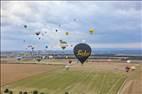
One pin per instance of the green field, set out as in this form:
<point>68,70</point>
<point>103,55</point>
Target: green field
<point>72,81</point>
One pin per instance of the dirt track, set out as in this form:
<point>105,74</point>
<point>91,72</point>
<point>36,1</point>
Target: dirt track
<point>14,72</point>
<point>133,84</point>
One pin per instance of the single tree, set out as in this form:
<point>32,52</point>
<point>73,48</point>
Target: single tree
<point>66,92</point>
<point>35,92</point>
<point>6,90</point>
<point>25,92</point>
<point>10,92</point>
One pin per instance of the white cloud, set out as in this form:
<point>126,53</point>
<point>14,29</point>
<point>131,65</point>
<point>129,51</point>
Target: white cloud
<point>106,17</point>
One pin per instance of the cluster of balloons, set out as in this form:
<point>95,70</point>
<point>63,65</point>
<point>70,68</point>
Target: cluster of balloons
<point>82,51</point>
<point>63,45</point>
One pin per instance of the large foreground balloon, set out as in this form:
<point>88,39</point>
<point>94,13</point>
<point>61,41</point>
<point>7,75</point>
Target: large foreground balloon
<point>82,51</point>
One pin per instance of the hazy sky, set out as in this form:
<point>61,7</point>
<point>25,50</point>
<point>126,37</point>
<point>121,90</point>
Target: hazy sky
<point>117,24</point>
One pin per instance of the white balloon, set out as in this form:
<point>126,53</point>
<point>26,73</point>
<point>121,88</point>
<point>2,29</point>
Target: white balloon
<point>128,61</point>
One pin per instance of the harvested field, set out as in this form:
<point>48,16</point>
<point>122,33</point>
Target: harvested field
<point>79,79</point>
<point>14,72</point>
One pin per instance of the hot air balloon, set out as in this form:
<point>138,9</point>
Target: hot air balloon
<point>127,68</point>
<point>74,19</point>
<point>67,33</point>
<point>32,48</point>
<point>42,34</point>
<point>46,46</point>
<point>66,57</point>
<point>71,45</point>
<point>59,25</point>
<point>82,51</point>
<point>56,30</point>
<point>67,68</point>
<point>39,58</point>
<point>25,26</point>
<point>70,61</point>
<point>37,33</point>
<point>29,46</point>
<point>18,58</point>
<point>91,30</point>
<point>63,44</point>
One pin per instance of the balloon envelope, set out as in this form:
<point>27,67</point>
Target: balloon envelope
<point>67,33</point>
<point>63,47</point>
<point>56,30</point>
<point>37,33</point>
<point>46,46</point>
<point>63,44</point>
<point>39,58</point>
<point>91,30</point>
<point>25,26</point>
<point>82,51</point>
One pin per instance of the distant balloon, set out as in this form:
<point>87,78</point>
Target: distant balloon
<point>66,57</point>
<point>18,58</point>
<point>37,33</point>
<point>25,26</point>
<point>74,19</point>
<point>46,46</point>
<point>56,30</point>
<point>63,44</point>
<point>91,30</point>
<point>32,48</point>
<point>50,57</point>
<point>63,47</point>
<point>29,46</point>
<point>42,34</point>
<point>70,61</point>
<point>67,33</point>
<point>38,59</point>
<point>82,51</point>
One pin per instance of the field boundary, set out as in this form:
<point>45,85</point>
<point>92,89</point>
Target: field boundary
<point>35,74</point>
<point>122,87</point>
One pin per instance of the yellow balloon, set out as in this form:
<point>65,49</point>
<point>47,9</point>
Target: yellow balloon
<point>67,33</point>
<point>91,30</point>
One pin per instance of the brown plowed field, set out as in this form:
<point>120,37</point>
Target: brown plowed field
<point>14,72</point>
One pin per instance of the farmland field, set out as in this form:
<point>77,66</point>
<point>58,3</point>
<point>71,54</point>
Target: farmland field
<point>90,78</point>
